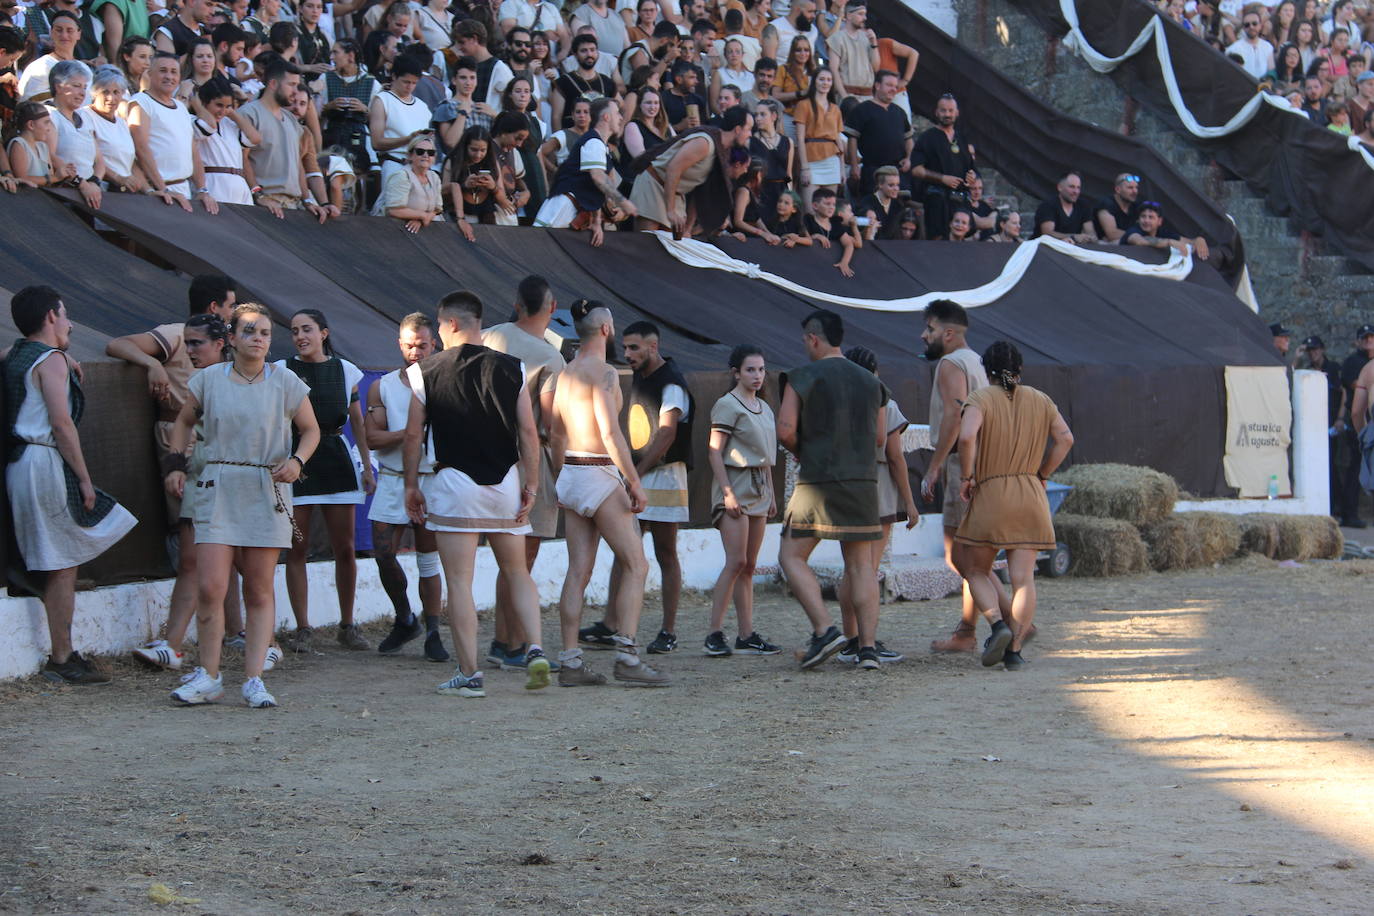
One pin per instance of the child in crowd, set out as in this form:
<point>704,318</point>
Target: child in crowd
<point>828,224</point>
<point>1339,119</point>
<point>787,221</point>
<point>32,156</point>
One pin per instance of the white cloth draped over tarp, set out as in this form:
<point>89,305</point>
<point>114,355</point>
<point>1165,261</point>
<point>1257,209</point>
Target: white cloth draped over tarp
<point>700,254</point>
<point>1155,31</point>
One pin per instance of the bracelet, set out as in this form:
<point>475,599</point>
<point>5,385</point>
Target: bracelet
<point>965,478</point>
<point>297,459</point>
<point>174,462</point>
<point>528,492</point>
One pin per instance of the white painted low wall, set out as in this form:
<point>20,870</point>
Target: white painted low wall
<point>111,621</point>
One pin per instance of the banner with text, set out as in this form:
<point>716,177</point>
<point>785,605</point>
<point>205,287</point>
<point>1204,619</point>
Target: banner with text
<point>1259,428</point>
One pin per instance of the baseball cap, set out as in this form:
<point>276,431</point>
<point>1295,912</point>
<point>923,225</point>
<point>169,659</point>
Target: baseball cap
<point>1278,330</point>
<point>1314,343</point>
<point>1365,330</point>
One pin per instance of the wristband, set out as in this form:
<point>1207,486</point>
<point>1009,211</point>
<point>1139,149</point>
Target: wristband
<point>174,462</point>
<point>297,459</point>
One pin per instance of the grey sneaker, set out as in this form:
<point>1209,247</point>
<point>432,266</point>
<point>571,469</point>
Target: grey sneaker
<point>1013,660</point>
<point>238,642</point>
<point>640,675</point>
<point>299,640</point>
<point>581,676</point>
<point>754,644</point>
<point>351,638</point>
<point>461,685</point>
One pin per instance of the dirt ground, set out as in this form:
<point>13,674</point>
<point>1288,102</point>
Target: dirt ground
<point>1177,744</point>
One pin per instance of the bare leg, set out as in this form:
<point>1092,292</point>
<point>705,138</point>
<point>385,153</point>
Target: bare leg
<point>297,585</point>
<point>847,611</point>
<point>734,537</point>
<point>233,607</point>
<point>384,540</point>
<point>431,587</point>
<point>1022,566</point>
<point>182,606</point>
<point>792,557</point>
<point>259,565</point>
<point>582,541</point>
<point>975,565</point>
<point>511,559</point>
<point>339,521</point>
<point>213,564</point>
<point>508,629</point>
<point>59,601</point>
<point>664,536</point>
<point>458,553</point>
<point>617,525</point>
<point>612,595</point>
<point>744,581</point>
<point>863,587</point>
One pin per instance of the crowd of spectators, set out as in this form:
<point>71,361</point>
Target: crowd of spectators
<point>1314,53</point>
<point>465,112</point>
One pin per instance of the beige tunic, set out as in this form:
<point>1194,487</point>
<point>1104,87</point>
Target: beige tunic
<point>405,189</point>
<point>749,454</point>
<point>889,508</point>
<point>1009,509</point>
<point>647,193</point>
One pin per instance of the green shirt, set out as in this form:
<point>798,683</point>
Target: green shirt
<point>837,422</point>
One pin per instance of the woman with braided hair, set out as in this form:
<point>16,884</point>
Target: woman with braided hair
<point>1005,466</point>
<point>243,501</point>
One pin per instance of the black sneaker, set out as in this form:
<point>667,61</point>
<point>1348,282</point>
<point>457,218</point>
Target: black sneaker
<point>821,646</point>
<point>715,645</point>
<point>995,646</point>
<point>401,633</point>
<point>849,652</point>
<point>496,653</point>
<point>663,643</point>
<point>75,671</point>
<point>887,656</point>
<point>597,636</point>
<point>1013,660</point>
<point>434,648</point>
<point>755,645</point>
<point>868,659</point>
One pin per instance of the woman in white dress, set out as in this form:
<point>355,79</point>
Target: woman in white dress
<point>331,478</point>
<point>242,505</point>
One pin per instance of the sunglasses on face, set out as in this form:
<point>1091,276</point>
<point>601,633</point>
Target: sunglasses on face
<point>520,44</point>
<point>423,151</point>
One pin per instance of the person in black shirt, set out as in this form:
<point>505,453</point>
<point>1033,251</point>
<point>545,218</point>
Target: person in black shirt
<point>583,83</point>
<point>943,159</point>
<point>828,228</point>
<point>1066,217</point>
<point>681,102</point>
<point>879,133</point>
<point>883,207</point>
<point>1350,468</point>
<point>1115,214</point>
<point>1314,348</point>
<point>984,214</point>
<point>1149,231</point>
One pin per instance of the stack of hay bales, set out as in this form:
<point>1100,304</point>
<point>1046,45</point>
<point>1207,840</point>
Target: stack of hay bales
<point>1120,519</point>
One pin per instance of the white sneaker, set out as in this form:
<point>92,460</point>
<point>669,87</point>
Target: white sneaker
<point>273,656</point>
<point>159,654</point>
<point>199,687</point>
<point>255,694</point>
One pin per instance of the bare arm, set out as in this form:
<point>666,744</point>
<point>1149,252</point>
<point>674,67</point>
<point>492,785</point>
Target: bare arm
<point>410,456</point>
<point>175,481</point>
<point>692,152</point>
<point>1061,441</point>
<point>355,421</point>
<point>144,350</point>
<point>953,386</point>
<point>52,382</point>
<point>114,31</point>
<point>289,471</point>
<point>968,448</point>
<point>529,455</point>
<point>374,422</point>
<point>606,407</point>
<point>1359,406</point>
<point>608,186</point>
<point>896,466</point>
<point>789,412</point>
<point>1110,230</point>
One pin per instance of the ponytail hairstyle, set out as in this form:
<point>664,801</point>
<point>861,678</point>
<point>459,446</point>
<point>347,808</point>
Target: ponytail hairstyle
<point>1002,362</point>
<point>741,353</point>
<point>215,329</point>
<point>317,316</point>
<point>863,357</point>
<point>581,310</point>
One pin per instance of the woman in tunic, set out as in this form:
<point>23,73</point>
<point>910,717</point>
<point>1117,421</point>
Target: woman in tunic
<point>895,504</point>
<point>518,97</point>
<point>1004,466</point>
<point>241,506</point>
<point>222,135</point>
<point>108,92</point>
<point>330,479</point>
<point>742,452</point>
<point>819,122</point>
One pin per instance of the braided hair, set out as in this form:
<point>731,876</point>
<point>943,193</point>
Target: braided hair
<point>1002,362</point>
<point>863,357</point>
<point>214,327</point>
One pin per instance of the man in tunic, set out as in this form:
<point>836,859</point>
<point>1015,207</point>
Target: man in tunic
<point>524,339</point>
<point>388,410</point>
<point>60,519</point>
<point>599,487</point>
<point>831,419</point>
<point>584,183</point>
<point>475,405</point>
<point>958,373</point>
<point>689,183</point>
<point>162,353</point>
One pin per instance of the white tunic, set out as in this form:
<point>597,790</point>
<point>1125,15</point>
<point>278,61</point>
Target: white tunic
<point>116,142</point>
<point>388,503</point>
<point>76,145</point>
<point>169,138</point>
<point>402,120</point>
<point>222,147</point>
<point>49,538</point>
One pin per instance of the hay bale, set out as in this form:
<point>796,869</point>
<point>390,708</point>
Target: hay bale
<point>1141,496</point>
<point>1259,533</point>
<point>1101,546</point>
<point>1218,536</point>
<point>1301,537</point>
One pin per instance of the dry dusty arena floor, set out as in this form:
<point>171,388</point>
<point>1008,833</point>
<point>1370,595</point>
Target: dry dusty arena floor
<point>1199,742</point>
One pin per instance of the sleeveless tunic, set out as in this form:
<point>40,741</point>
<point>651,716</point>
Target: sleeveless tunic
<point>330,477</point>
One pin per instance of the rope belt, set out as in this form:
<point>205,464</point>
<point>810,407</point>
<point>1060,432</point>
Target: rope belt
<point>1016,474</point>
<point>276,493</point>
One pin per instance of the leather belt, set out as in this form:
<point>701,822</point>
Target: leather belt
<point>222,170</point>
<point>588,460</point>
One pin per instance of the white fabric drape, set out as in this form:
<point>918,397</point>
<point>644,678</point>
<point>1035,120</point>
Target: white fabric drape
<point>1155,31</point>
<point>699,254</point>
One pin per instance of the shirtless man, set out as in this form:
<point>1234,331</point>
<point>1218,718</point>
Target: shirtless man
<point>388,407</point>
<point>601,493</point>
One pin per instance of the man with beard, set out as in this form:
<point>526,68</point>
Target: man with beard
<point>943,159</point>
<point>1066,217</point>
<point>958,373</point>
<point>1115,214</point>
<point>277,159</point>
<point>854,53</point>
<point>659,52</point>
<point>519,49</point>
<point>161,128</point>
<point>584,183</point>
<point>802,22</point>
<point>682,104</point>
<point>586,82</point>
<point>689,182</point>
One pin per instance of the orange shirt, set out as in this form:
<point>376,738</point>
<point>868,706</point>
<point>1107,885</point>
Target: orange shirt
<point>820,127</point>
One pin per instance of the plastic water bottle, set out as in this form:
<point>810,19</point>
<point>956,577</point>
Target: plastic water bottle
<point>1273,486</point>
